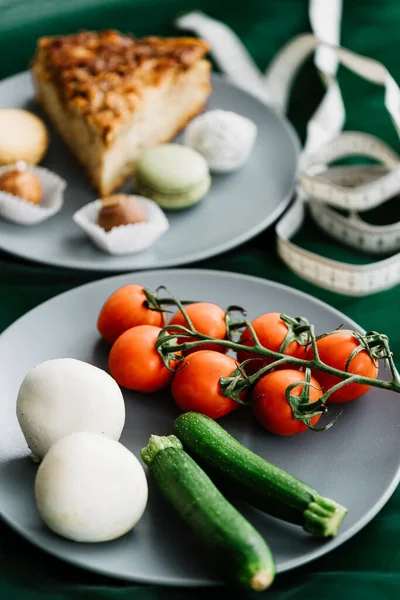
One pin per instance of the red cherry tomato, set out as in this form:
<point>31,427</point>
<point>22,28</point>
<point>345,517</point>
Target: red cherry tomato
<point>271,331</point>
<point>334,350</point>
<point>195,387</point>
<point>271,407</point>
<point>124,309</point>
<point>135,363</point>
<point>207,318</point>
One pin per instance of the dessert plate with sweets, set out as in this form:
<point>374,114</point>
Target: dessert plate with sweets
<point>159,162</point>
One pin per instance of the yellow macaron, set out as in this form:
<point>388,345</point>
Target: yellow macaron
<point>23,136</point>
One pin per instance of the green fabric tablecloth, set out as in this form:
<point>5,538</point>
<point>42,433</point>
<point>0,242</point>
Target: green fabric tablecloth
<point>367,566</point>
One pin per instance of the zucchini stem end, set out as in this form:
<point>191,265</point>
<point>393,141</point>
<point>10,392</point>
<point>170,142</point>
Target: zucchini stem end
<point>323,517</point>
<point>156,444</point>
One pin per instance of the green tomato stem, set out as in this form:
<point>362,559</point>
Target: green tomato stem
<point>260,351</point>
<point>340,384</point>
<point>376,344</point>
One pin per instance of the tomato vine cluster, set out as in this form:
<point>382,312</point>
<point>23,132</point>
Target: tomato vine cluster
<point>280,368</point>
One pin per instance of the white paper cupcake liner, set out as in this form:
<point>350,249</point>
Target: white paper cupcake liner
<point>125,239</point>
<point>16,209</point>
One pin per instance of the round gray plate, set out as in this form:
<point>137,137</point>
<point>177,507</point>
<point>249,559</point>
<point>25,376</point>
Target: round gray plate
<point>356,462</point>
<point>238,206</point>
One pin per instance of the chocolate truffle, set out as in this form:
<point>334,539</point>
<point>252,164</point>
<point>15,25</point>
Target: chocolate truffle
<point>120,209</point>
<point>22,183</point>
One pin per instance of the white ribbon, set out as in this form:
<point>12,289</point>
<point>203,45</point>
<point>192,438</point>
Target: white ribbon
<point>320,184</point>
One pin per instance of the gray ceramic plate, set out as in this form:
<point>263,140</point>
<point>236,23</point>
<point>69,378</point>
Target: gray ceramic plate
<point>238,206</point>
<point>356,462</point>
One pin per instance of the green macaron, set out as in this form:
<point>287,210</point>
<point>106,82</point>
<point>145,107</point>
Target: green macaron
<point>172,175</point>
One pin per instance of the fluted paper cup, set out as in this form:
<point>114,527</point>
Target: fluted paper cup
<point>18,210</point>
<point>125,239</point>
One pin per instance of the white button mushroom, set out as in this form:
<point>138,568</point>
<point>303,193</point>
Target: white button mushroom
<point>223,137</point>
<point>65,395</point>
<point>90,488</point>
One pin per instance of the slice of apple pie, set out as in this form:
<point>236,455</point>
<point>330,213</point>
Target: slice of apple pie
<point>109,95</point>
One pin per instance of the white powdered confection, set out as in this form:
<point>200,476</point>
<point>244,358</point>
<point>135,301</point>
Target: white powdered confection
<point>16,209</point>
<point>125,239</point>
<point>223,137</point>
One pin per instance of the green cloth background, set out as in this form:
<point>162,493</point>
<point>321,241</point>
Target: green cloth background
<point>367,566</point>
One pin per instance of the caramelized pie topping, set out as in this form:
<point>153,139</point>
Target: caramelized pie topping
<point>102,75</point>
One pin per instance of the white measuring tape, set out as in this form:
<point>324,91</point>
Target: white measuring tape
<point>353,188</point>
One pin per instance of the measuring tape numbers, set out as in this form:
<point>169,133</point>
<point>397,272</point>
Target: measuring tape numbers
<point>322,187</point>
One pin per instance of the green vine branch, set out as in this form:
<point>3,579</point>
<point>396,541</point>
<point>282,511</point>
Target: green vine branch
<point>176,339</point>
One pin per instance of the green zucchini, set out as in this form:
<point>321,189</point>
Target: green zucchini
<point>236,548</point>
<point>256,480</point>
